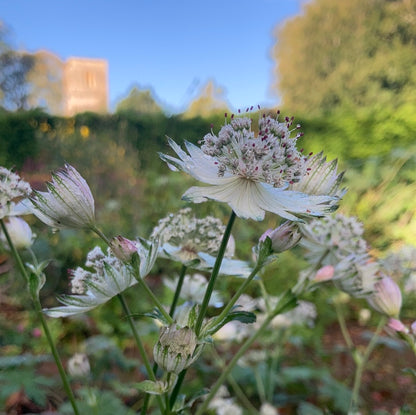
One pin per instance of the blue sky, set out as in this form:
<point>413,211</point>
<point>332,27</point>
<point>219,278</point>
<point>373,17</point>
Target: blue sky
<point>171,47</point>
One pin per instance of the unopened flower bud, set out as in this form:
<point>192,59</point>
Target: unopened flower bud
<point>387,297</point>
<point>79,365</point>
<point>176,348</point>
<point>413,327</point>
<point>284,237</point>
<point>68,203</point>
<point>123,248</point>
<point>19,232</point>
<point>324,274</point>
<point>397,326</point>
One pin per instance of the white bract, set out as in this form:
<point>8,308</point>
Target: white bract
<point>68,203</point>
<point>12,188</point>
<point>19,231</point>
<point>252,173</point>
<point>110,276</point>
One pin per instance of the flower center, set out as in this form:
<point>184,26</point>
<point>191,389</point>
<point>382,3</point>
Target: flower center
<point>270,157</point>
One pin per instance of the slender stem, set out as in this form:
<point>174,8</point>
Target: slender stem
<point>226,371</point>
<point>236,296</point>
<point>236,387</point>
<point>343,327</point>
<point>214,274</point>
<point>101,235</point>
<point>207,297</point>
<point>38,309</point>
<point>361,365</point>
<point>155,300</point>
<point>140,345</point>
<point>178,290</point>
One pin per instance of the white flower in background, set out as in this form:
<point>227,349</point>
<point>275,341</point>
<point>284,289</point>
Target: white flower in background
<point>12,188</point>
<point>268,409</point>
<point>193,289</point>
<point>223,404</point>
<point>252,173</point>
<point>387,297</point>
<point>195,242</point>
<point>68,203</point>
<point>304,314</point>
<point>109,277</point>
<point>19,231</point>
<point>79,365</point>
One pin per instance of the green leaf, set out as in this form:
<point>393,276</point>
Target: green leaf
<point>153,388</point>
<point>37,278</point>
<point>246,317</point>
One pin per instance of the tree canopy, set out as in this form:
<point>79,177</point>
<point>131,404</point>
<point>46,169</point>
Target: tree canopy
<point>139,101</point>
<point>347,53</point>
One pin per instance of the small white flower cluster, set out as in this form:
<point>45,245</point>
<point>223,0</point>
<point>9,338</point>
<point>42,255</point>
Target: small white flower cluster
<point>12,187</point>
<point>193,235</point>
<point>270,157</point>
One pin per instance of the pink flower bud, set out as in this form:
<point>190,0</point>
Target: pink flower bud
<point>284,237</point>
<point>324,274</point>
<point>397,326</point>
<point>123,248</point>
<point>36,332</point>
<point>387,297</point>
<point>413,328</point>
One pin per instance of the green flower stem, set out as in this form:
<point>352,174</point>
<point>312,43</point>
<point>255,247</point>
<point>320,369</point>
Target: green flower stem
<point>361,362</point>
<point>100,234</point>
<point>140,346</point>
<point>237,295</point>
<point>155,300</point>
<point>207,297</point>
<point>246,345</point>
<point>343,327</point>
<point>236,387</point>
<point>38,309</point>
<point>178,290</point>
<point>214,274</point>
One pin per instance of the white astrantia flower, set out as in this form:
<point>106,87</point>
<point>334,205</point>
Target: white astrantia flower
<point>12,188</point>
<point>223,404</point>
<point>193,289</point>
<point>195,243</point>
<point>110,276</point>
<point>252,173</point>
<point>68,203</point>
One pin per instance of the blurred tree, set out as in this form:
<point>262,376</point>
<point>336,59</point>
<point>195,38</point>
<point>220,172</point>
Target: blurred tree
<point>210,101</point>
<point>347,53</point>
<point>139,101</point>
<point>14,67</point>
<point>45,79</point>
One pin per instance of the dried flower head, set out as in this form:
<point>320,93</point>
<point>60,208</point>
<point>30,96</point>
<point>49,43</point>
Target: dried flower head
<point>12,188</point>
<point>68,202</point>
<point>251,172</point>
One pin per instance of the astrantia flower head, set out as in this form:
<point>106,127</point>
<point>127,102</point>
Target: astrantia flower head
<point>387,297</point>
<point>68,203</point>
<point>337,236</point>
<point>12,188</point>
<point>110,276</point>
<point>19,231</point>
<point>338,241</point>
<point>252,173</point>
<point>195,242</point>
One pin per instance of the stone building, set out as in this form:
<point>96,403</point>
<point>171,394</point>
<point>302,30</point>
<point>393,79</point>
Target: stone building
<point>84,86</point>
